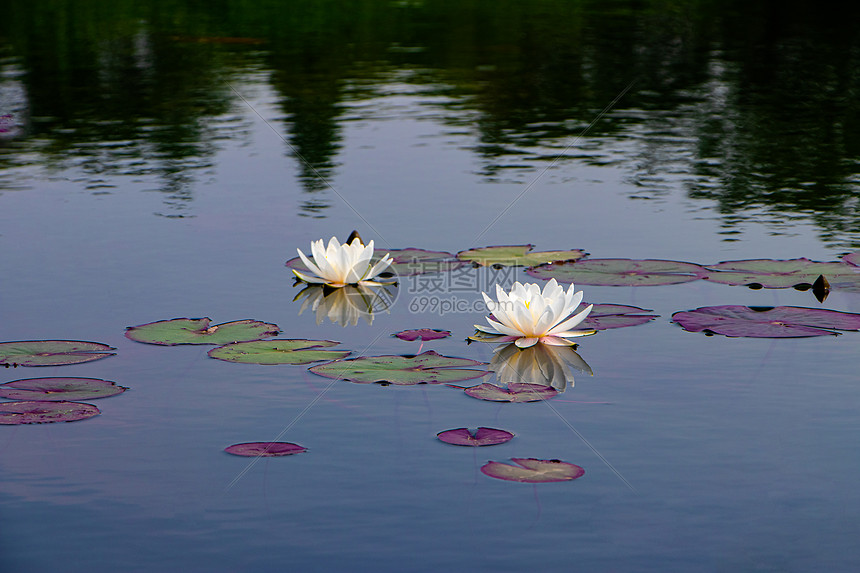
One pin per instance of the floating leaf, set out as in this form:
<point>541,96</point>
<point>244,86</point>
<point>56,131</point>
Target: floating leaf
<point>426,368</point>
<point>606,316</point>
<point>516,255</point>
<point>766,322</point>
<point>265,449</point>
<point>482,437</point>
<point>405,262</point>
<point>58,389</point>
<point>771,273</point>
<point>422,333</point>
<point>197,331</point>
<point>515,392</point>
<point>51,352</point>
<point>44,412</point>
<point>852,259</point>
<point>532,470</point>
<point>278,351</point>
<point>619,272</point>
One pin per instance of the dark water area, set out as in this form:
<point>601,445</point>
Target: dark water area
<point>164,159</point>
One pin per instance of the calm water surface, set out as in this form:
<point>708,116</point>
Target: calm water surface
<point>164,159</point>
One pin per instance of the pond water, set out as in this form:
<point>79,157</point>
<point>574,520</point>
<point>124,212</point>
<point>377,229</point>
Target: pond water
<point>163,160</point>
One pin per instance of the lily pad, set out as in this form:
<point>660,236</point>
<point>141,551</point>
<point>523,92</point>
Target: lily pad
<point>278,351</point>
<point>516,255</point>
<point>51,352</point>
<point>265,449</point>
<point>515,392</point>
<point>532,470</point>
<point>852,259</point>
<point>198,331</point>
<point>405,262</point>
<point>619,272</point>
<point>426,368</point>
<point>59,389</point>
<point>606,316</point>
<point>481,437</point>
<point>45,412</point>
<point>771,273</point>
<point>766,322</point>
<point>423,334</point>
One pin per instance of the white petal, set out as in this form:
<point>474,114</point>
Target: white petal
<point>526,342</point>
<point>555,341</point>
<point>503,328</point>
<point>571,322</point>
<point>311,266</point>
<point>307,278</point>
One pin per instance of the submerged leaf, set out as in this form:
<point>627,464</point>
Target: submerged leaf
<point>198,331</point>
<point>766,322</point>
<point>426,368</point>
<point>516,255</point>
<point>51,352</point>
<point>481,437</point>
<point>278,351</point>
<point>771,273</point>
<point>265,449</point>
<point>59,389</point>
<point>515,392</point>
<point>619,272</point>
<point>422,333</point>
<point>45,412</point>
<point>532,470</point>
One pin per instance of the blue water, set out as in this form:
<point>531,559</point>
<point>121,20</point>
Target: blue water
<point>701,453</point>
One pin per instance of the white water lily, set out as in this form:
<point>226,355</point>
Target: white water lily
<point>527,315</point>
<point>339,264</point>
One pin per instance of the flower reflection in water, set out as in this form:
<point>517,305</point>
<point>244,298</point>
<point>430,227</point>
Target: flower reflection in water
<point>538,364</point>
<point>346,305</point>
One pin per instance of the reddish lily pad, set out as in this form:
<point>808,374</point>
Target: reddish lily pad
<point>619,272</point>
<point>515,392</point>
<point>278,351</point>
<point>426,368</point>
<point>481,437</point>
<point>198,331</point>
<point>532,470</point>
<point>59,389</point>
<point>265,449</point>
<point>45,412</point>
<point>405,262</point>
<point>771,273</point>
<point>516,255</point>
<point>51,352</point>
<point>422,334</point>
<point>852,259</point>
<point>766,322</point>
<point>606,316</point>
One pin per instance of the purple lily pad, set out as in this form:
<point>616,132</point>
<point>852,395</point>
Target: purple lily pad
<point>771,273</point>
<point>198,331</point>
<point>426,368</point>
<point>606,316</point>
<point>532,470</point>
<point>278,351</point>
<point>51,352</point>
<point>766,322</point>
<point>59,389</point>
<point>481,437</point>
<point>619,272</point>
<point>265,449</point>
<point>45,412</point>
<point>516,255</point>
<point>852,259</point>
<point>405,262</point>
<point>515,392</point>
<point>422,333</point>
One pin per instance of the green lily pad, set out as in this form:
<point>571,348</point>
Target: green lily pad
<point>405,262</point>
<point>531,470</point>
<point>426,368</point>
<point>619,272</point>
<point>197,331</point>
<point>59,389</point>
<point>771,273</point>
<point>51,352</point>
<point>516,255</point>
<point>278,351</point>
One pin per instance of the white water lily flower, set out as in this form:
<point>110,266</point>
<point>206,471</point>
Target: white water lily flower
<point>528,315</point>
<point>339,265</point>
